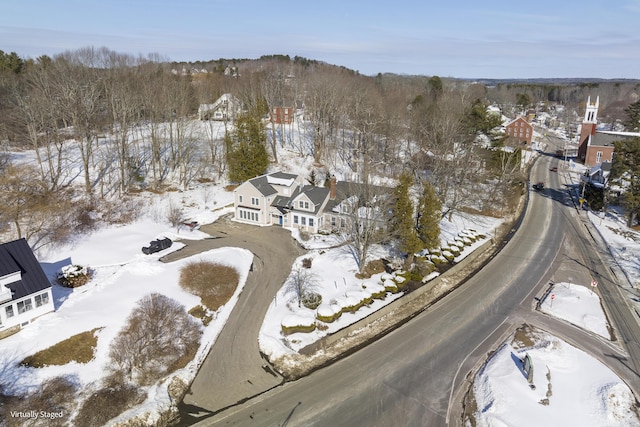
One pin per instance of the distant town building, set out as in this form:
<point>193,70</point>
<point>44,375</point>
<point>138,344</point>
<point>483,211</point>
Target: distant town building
<point>520,131</point>
<point>227,107</point>
<point>282,115</point>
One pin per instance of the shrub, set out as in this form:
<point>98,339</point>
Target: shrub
<point>199,312</point>
<point>73,276</point>
<point>328,312</point>
<point>175,215</point>
<point>300,283</point>
<point>292,324</point>
<point>107,403</point>
<point>55,395</point>
<point>372,267</point>
<point>311,300</point>
<point>77,348</point>
<point>213,283</point>
<point>158,337</point>
<point>390,285</point>
<point>306,262</point>
<point>305,236</point>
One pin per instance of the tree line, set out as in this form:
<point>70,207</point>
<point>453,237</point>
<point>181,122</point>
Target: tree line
<point>130,123</point>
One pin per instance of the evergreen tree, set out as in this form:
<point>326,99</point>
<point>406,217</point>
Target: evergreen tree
<point>429,214</point>
<point>246,152</point>
<point>10,62</point>
<point>479,120</point>
<point>402,222</point>
<point>632,124</point>
<point>626,171</point>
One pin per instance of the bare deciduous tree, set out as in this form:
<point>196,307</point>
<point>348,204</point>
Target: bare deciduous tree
<point>158,332</point>
<point>366,220</point>
<point>301,282</point>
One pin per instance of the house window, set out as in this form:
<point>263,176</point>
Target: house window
<point>301,204</point>
<point>342,223</point>
<point>295,219</point>
<point>240,198</point>
<point>333,221</point>
<point>599,157</point>
<point>24,306</point>
<point>310,222</point>
<point>9,311</point>
<point>306,205</point>
<point>303,220</point>
<point>255,201</point>
<point>41,299</point>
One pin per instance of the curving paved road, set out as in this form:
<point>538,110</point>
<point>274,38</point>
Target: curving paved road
<point>234,370</point>
<point>415,375</point>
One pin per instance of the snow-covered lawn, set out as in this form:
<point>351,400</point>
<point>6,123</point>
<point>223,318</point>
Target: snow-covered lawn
<point>334,270</point>
<point>579,305</point>
<point>122,276</point>
<point>580,390</point>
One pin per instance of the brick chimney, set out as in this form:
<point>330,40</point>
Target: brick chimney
<point>332,188</point>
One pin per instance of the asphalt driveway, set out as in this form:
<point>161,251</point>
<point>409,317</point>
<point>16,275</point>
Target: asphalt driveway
<point>234,368</point>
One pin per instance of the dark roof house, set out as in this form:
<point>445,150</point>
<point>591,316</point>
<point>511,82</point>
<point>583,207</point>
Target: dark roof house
<point>25,290</point>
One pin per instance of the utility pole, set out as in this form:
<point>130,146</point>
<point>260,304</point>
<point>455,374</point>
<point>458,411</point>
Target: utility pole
<point>584,184</point>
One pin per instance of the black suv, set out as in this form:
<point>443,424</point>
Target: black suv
<point>157,246</point>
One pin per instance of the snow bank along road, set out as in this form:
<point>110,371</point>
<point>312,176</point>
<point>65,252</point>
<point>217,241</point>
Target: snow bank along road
<point>407,377</point>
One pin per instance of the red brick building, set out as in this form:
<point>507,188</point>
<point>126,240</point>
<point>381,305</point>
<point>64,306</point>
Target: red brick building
<point>595,147</point>
<point>282,115</point>
<point>519,130</point>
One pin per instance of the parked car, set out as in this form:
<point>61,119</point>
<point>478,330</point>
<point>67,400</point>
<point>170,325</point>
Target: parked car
<point>538,186</point>
<point>157,246</point>
<point>554,169</point>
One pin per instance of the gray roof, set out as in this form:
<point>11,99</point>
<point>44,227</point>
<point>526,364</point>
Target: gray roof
<point>606,139</point>
<point>263,185</point>
<point>345,190</point>
<point>18,256</point>
<point>316,194</point>
<point>283,175</point>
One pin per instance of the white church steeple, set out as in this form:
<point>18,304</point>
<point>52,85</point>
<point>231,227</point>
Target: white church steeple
<point>591,112</point>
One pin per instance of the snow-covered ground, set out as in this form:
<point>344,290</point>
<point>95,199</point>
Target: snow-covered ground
<point>580,390</point>
<point>122,276</point>
<point>583,390</point>
<point>579,305</point>
<point>334,270</point>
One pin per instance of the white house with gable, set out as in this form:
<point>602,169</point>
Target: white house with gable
<point>285,199</point>
<point>25,290</point>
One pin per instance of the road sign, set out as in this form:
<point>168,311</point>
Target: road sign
<point>553,296</point>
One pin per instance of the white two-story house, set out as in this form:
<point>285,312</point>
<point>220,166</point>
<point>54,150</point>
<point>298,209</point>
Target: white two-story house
<point>284,199</point>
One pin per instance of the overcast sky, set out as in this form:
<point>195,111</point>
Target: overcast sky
<point>451,38</point>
